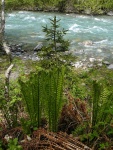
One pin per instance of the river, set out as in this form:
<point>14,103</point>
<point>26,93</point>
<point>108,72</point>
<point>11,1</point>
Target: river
<point>26,27</point>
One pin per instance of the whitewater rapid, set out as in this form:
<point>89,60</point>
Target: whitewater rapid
<point>26,28</point>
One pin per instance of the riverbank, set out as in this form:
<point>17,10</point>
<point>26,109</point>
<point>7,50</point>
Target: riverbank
<point>65,6</point>
<point>78,93</point>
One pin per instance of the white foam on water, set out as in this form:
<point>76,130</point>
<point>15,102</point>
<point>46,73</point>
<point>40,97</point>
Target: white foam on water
<point>41,36</point>
<point>33,36</point>
<point>73,27</point>
<point>43,20</point>
<point>77,30</point>
<point>81,16</point>
<point>11,15</point>
<point>30,18</point>
<point>12,26</point>
<point>8,26</point>
<point>23,12</point>
<point>97,19</point>
<point>88,30</point>
<point>102,41</point>
<point>99,28</point>
<point>99,50</point>
<point>105,20</point>
<point>88,46</point>
<point>102,20</point>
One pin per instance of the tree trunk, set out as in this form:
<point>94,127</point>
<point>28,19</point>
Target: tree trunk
<point>2,23</point>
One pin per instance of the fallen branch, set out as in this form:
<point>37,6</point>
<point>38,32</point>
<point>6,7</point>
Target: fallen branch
<point>8,71</point>
<point>7,50</point>
<point>7,75</point>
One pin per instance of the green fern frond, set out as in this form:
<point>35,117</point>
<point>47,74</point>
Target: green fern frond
<point>102,103</point>
<point>42,94</point>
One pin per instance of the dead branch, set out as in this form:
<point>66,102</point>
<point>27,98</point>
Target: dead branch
<point>7,75</point>
<point>8,71</point>
<point>6,48</point>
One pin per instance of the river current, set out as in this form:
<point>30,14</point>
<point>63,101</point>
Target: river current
<point>26,27</point>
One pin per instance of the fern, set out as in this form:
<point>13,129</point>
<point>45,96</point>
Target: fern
<point>102,105</point>
<point>42,94</point>
<point>31,96</point>
<point>54,101</point>
<point>95,102</point>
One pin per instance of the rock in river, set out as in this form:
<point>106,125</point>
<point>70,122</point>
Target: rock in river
<point>38,47</point>
<point>110,66</point>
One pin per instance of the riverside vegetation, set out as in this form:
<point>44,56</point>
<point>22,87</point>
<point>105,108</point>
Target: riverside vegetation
<point>77,6</point>
<point>57,97</point>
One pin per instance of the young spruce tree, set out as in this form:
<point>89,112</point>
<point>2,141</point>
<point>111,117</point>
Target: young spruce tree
<point>53,53</point>
<point>55,36</point>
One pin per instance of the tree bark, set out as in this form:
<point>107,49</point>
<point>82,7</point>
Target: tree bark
<point>2,23</point>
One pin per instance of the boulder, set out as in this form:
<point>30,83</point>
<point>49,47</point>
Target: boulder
<point>88,42</point>
<point>106,63</point>
<point>18,53</point>
<point>110,66</point>
<point>92,59</point>
<point>87,11</point>
<point>110,13</point>
<point>38,47</point>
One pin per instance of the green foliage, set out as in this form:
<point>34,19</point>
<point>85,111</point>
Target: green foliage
<point>101,117</point>
<point>102,105</point>
<point>1,143</point>
<point>10,108</point>
<point>54,53</point>
<point>55,36</point>
<point>16,4</point>
<point>32,97</point>
<point>54,100</point>
<point>94,6</point>
<point>42,95</point>
<point>13,145</point>
<point>41,4</point>
<point>27,126</point>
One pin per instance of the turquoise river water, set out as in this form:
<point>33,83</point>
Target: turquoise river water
<point>26,27</point>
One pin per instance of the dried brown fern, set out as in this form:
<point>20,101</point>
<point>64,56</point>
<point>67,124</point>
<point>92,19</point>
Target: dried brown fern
<point>45,140</point>
<point>73,113</point>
